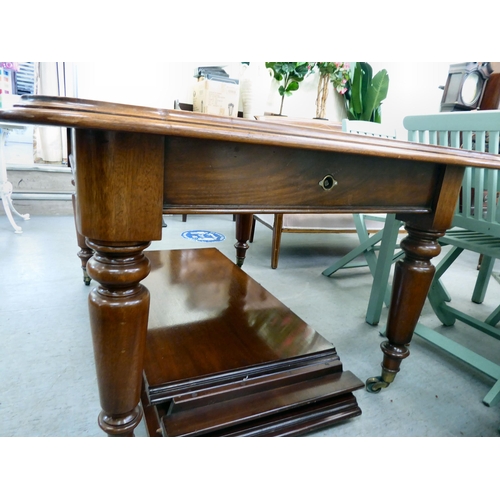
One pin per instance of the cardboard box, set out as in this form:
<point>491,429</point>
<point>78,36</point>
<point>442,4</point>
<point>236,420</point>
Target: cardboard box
<point>216,96</point>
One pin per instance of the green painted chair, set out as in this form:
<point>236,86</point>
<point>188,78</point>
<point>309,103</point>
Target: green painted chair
<point>376,249</point>
<point>476,228</point>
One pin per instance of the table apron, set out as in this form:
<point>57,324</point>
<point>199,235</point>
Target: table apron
<point>216,176</point>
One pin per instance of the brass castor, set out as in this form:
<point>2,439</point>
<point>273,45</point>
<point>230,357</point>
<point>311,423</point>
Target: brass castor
<point>376,384</point>
<point>86,278</point>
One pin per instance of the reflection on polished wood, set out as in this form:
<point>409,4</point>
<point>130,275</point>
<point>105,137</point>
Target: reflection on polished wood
<point>131,163</point>
<point>224,356</point>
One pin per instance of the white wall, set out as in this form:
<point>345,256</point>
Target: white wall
<point>413,90</point>
<point>157,85</point>
<point>413,87</point>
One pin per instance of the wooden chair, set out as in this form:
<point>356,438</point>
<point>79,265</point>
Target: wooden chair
<point>361,224</point>
<point>306,223</point>
<point>186,107</point>
<point>476,229</point>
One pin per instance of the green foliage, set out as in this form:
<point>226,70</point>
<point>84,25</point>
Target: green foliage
<point>365,93</point>
<point>291,74</point>
<point>326,67</point>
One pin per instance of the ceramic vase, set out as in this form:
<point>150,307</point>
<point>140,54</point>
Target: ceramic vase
<point>255,83</point>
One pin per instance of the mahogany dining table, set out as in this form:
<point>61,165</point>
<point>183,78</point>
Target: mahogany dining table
<point>132,164</point>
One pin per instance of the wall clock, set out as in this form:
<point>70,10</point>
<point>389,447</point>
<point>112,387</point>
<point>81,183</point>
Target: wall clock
<point>465,86</point>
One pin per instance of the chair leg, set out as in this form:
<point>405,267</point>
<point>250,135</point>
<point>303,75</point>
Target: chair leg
<point>494,317</point>
<point>360,250</point>
<point>85,252</point>
<point>380,292</point>
<point>468,356</point>
<point>184,217</point>
<point>483,279</point>
<point>277,230</point>
<point>363,235</point>
<point>493,396</point>
<point>438,295</point>
<point>437,299</point>
<point>252,231</point>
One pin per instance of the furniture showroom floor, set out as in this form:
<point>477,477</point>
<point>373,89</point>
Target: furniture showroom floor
<point>47,377</point>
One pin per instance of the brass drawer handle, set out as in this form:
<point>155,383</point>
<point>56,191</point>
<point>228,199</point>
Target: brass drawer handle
<point>328,182</point>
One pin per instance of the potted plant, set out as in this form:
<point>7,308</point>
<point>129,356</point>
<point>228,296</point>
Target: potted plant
<point>336,73</point>
<point>365,93</point>
<point>290,74</point>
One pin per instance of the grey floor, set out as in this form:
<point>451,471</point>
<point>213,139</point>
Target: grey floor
<point>47,377</point>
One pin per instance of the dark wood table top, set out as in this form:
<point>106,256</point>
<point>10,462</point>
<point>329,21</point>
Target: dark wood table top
<point>81,113</point>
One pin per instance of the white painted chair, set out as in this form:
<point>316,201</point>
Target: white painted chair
<point>5,184</point>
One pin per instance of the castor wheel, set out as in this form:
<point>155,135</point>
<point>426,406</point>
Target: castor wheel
<point>86,278</point>
<point>376,384</point>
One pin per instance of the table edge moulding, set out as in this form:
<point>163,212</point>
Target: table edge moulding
<point>132,163</point>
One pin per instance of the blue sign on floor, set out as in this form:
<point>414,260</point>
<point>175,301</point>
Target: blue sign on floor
<point>203,236</point>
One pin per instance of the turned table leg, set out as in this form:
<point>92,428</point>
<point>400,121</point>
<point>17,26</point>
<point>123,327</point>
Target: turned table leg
<point>119,308</point>
<point>243,231</point>
<point>412,279</point>
<point>85,252</point>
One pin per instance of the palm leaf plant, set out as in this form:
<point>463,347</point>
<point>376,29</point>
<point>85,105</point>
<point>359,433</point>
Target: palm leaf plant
<point>365,93</point>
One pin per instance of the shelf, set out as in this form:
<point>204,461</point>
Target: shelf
<point>225,357</point>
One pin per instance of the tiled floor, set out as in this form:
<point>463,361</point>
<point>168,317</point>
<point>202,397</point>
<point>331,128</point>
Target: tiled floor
<point>47,377</point>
